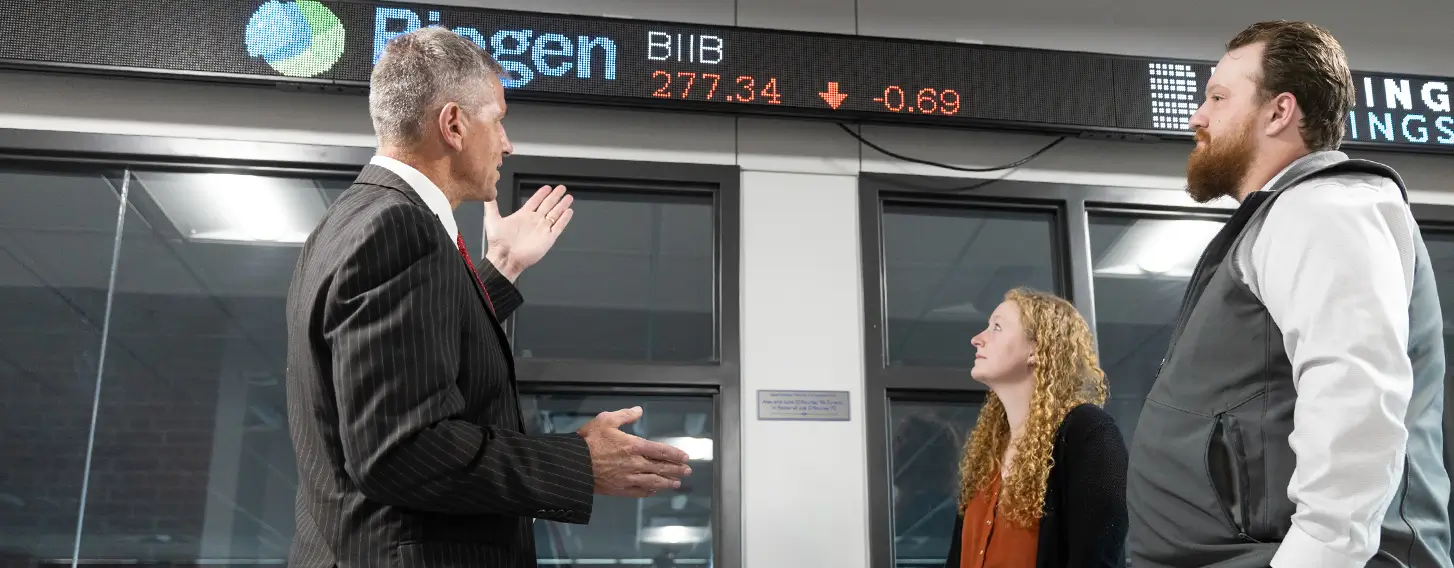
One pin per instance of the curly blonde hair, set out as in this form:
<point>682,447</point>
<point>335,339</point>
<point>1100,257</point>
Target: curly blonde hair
<point>1067,374</point>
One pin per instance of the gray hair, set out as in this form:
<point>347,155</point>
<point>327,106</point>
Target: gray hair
<point>421,71</point>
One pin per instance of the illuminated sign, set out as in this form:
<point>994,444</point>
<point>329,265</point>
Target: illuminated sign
<point>298,39</point>
<point>1175,94</point>
<point>523,52</point>
<point>1391,112</point>
<point>1401,110</point>
<point>333,45</point>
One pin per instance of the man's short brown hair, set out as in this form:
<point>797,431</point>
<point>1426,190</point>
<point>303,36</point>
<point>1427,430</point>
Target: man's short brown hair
<point>1303,59</point>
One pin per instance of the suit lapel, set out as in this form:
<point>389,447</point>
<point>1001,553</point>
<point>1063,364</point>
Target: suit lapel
<point>381,176</point>
<point>477,285</point>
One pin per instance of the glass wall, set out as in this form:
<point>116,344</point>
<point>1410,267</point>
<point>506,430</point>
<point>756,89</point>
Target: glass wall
<point>946,267</point>
<point>57,241</point>
<point>144,369</point>
<point>667,529</point>
<point>928,439</point>
<point>633,281</point>
<point>144,421</point>
<point>1141,264</point>
<point>630,280</point>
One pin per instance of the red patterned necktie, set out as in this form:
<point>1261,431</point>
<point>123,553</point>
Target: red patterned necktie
<point>459,240</point>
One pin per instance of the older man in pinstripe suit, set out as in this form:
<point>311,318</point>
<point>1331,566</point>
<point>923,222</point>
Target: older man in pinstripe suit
<point>402,400</point>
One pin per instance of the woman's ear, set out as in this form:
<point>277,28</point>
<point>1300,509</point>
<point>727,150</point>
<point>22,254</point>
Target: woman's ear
<point>1032,360</point>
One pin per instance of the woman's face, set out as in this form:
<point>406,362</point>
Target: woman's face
<point>1003,353</point>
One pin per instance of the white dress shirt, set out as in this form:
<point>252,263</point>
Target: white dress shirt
<point>1333,261</point>
<point>432,195</point>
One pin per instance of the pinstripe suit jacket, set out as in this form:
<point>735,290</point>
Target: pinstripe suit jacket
<point>402,401</point>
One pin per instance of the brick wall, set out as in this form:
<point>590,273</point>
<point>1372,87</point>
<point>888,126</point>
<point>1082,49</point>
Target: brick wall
<point>153,445</point>
<point>47,377</point>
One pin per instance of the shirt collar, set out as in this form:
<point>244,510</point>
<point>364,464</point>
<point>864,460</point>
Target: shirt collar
<point>1315,155</point>
<point>427,190</point>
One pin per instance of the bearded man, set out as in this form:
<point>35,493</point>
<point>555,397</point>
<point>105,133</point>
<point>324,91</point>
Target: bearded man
<point>1297,419</point>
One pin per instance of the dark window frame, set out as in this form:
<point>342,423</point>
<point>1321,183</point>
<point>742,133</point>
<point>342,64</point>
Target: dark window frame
<point>929,378</point>
<point>1075,204</point>
<point>721,380</point>
<point>719,181</point>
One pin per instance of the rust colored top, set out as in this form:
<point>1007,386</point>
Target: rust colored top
<point>991,540</point>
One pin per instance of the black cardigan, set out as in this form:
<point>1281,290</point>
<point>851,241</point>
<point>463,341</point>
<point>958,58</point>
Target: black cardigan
<point>1084,525</point>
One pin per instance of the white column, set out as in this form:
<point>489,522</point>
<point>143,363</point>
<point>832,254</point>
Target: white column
<point>804,484</point>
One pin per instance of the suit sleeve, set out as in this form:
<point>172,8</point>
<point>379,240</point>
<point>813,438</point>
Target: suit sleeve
<point>1095,501</point>
<point>394,335</point>
<point>505,296</point>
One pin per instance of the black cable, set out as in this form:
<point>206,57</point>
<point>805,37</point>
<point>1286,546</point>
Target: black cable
<point>1403,500</point>
<point>970,187</point>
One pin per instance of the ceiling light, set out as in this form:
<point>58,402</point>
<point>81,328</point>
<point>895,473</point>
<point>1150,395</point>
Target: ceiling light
<point>675,534</point>
<point>697,449</point>
<point>237,208</point>
<point>1162,247</point>
<point>956,312</point>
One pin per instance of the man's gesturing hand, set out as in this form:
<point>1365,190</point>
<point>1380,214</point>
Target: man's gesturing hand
<point>519,241</point>
<point>628,466</point>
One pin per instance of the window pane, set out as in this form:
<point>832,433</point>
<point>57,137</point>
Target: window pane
<point>946,269</point>
<point>670,528</point>
<point>1142,267</point>
<point>192,457</point>
<point>57,235</point>
<point>928,438</point>
<point>632,279</point>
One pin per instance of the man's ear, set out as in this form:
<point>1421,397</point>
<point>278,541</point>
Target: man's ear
<point>452,125</point>
<point>1284,114</point>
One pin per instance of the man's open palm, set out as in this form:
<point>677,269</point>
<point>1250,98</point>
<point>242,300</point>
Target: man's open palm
<point>524,237</point>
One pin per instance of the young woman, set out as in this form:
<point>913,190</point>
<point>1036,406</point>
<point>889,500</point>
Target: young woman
<point>1043,475</point>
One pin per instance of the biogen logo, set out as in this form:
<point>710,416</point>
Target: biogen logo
<point>523,53</point>
<point>302,38</point>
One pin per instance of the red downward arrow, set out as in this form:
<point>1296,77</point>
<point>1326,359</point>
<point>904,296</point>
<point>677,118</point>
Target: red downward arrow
<point>832,96</point>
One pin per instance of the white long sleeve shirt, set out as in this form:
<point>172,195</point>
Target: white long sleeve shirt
<point>1333,262</point>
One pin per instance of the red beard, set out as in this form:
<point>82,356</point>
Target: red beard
<point>1218,167</point>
